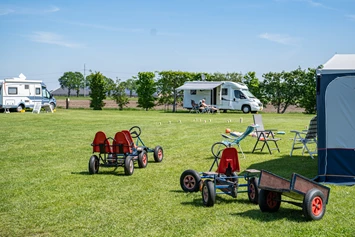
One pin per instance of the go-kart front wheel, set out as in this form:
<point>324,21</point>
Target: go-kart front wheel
<point>128,165</point>
<point>190,181</point>
<point>142,159</point>
<point>158,154</point>
<point>208,193</point>
<point>94,164</point>
<point>253,191</point>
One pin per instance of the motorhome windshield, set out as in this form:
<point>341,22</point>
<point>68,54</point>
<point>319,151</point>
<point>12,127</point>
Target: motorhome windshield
<point>248,93</point>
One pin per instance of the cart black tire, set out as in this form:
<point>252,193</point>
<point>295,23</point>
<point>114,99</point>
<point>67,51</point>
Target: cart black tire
<point>142,159</point>
<point>269,201</point>
<point>208,193</point>
<point>128,165</point>
<point>314,204</point>
<point>94,164</point>
<point>135,131</point>
<point>158,154</point>
<point>190,181</point>
<point>253,190</point>
<point>217,149</point>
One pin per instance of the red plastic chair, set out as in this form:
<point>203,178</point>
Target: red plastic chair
<point>229,161</point>
<point>101,144</point>
<point>121,144</point>
<point>129,138</point>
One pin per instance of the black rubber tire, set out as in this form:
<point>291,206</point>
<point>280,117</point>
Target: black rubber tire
<point>314,205</point>
<point>52,105</point>
<point>19,108</point>
<point>94,164</point>
<point>253,190</point>
<point>190,181</point>
<point>135,131</point>
<point>246,109</point>
<point>143,159</point>
<point>128,165</point>
<point>269,201</point>
<point>158,154</point>
<point>217,149</point>
<point>208,193</point>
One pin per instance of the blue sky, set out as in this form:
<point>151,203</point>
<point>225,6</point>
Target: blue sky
<point>44,39</point>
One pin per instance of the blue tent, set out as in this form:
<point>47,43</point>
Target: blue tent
<point>336,120</point>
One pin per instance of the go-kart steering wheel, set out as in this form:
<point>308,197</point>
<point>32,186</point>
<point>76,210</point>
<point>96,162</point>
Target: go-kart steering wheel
<point>135,131</point>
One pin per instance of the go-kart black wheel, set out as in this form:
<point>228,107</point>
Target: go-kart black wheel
<point>158,154</point>
<point>253,191</point>
<point>217,149</point>
<point>135,131</point>
<point>190,181</point>
<point>314,204</point>
<point>128,165</point>
<point>208,193</point>
<point>142,159</point>
<point>269,201</point>
<point>94,164</point>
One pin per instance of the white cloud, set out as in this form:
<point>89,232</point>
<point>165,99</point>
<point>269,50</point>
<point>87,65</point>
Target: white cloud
<point>52,9</point>
<point>4,12</point>
<point>279,38</point>
<point>28,11</point>
<point>52,38</point>
<point>351,17</point>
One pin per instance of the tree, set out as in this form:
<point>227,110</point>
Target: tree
<point>232,76</point>
<point>71,81</point>
<point>119,94</point>
<point>110,85</point>
<point>131,85</point>
<point>98,91</point>
<point>167,84</point>
<point>145,90</point>
<point>308,97</point>
<point>282,89</point>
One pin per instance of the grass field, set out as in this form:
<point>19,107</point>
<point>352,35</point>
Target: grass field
<point>46,189</point>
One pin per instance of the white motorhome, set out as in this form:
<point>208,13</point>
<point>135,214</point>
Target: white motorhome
<point>225,95</point>
<point>19,93</point>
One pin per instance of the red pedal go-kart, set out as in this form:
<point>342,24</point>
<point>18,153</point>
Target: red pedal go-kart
<point>121,151</point>
<point>224,179</point>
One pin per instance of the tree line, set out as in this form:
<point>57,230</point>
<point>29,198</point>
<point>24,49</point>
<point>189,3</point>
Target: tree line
<point>280,89</point>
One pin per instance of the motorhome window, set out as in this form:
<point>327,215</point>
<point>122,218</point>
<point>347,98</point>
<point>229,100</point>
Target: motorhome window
<point>225,91</point>
<point>192,92</point>
<point>239,94</point>
<point>45,93</point>
<point>12,90</point>
<point>248,93</point>
<point>27,87</point>
<point>38,91</point>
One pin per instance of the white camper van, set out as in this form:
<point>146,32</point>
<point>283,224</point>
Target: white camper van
<point>225,95</point>
<point>19,93</point>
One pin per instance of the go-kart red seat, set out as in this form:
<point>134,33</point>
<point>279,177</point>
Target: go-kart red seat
<point>101,144</point>
<point>129,137</point>
<point>229,161</point>
<point>121,144</point>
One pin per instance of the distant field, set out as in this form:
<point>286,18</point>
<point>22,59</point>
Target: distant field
<point>46,189</point>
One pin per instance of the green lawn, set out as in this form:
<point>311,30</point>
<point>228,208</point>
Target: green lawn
<point>46,189</point>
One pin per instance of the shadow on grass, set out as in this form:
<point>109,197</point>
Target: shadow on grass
<point>285,165</point>
<point>105,172</point>
<point>283,213</point>
<point>219,199</point>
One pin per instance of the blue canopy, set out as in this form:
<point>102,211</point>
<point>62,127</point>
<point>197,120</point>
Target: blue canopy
<point>336,120</point>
